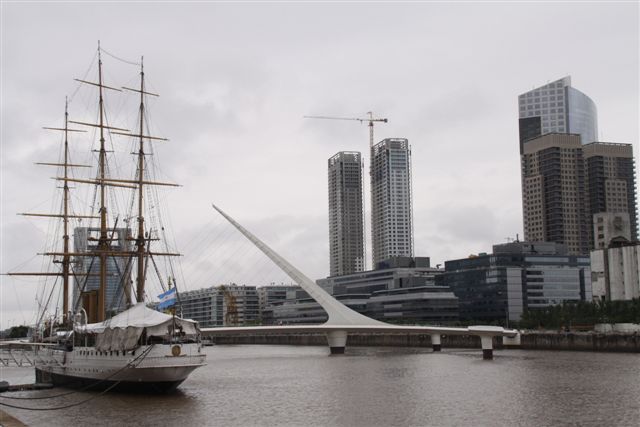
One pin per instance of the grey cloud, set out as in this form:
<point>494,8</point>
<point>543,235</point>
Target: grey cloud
<point>236,79</point>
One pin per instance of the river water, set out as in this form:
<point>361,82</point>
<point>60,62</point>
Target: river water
<point>370,386</point>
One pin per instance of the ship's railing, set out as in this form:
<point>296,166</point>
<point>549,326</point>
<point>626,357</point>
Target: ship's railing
<point>20,357</point>
<point>174,339</point>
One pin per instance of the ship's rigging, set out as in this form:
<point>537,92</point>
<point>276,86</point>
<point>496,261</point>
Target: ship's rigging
<point>98,341</point>
<point>137,256</point>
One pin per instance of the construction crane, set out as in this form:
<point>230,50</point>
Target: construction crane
<point>370,120</point>
<point>231,314</point>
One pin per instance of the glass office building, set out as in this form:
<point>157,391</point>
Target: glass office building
<point>557,108</point>
<point>85,240</point>
<point>518,276</point>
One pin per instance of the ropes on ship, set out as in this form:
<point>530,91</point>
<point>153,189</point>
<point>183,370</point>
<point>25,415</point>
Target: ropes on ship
<point>62,407</point>
<point>120,59</point>
<point>135,362</point>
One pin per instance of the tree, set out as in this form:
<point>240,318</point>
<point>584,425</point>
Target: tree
<point>18,331</point>
<point>583,313</point>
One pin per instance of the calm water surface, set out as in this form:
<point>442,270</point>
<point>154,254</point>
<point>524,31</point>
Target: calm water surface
<point>371,386</point>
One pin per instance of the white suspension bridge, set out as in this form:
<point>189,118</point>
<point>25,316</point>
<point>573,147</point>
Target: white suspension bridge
<point>343,320</point>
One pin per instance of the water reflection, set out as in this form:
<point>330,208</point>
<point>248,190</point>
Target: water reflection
<point>301,386</point>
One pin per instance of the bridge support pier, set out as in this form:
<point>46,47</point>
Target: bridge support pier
<point>487,346</point>
<point>337,341</point>
<point>436,344</point>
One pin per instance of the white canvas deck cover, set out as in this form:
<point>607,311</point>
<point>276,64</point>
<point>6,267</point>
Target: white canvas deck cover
<point>122,331</point>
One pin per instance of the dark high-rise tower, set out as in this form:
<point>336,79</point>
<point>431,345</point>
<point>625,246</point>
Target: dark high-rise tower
<point>567,176</point>
<point>554,196</point>
<point>346,216</point>
<point>611,180</point>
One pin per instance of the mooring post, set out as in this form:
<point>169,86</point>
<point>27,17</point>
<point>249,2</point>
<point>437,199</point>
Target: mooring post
<point>512,342</point>
<point>487,346</point>
<point>337,341</point>
<point>435,342</point>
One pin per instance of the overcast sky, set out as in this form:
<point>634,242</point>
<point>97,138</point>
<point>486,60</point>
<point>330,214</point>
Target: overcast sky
<point>236,79</point>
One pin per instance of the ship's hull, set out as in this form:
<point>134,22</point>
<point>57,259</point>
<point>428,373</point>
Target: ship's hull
<point>90,384</point>
<point>150,369</point>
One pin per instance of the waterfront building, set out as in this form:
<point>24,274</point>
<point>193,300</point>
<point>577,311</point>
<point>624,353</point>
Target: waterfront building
<point>430,304</point>
<point>391,204</point>
<point>516,277</point>
<point>399,289</point>
<point>346,216</point>
<point>402,289</point>
<point>615,261</point>
<point>611,184</point>
<point>392,273</point>
<point>425,304</point>
<point>223,305</point>
<point>272,294</point>
<point>85,240</point>
<point>616,271</point>
<point>305,310</point>
<point>609,227</point>
<point>557,108</point>
<point>554,195</point>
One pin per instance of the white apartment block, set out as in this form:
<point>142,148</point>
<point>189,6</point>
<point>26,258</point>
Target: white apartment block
<point>391,204</point>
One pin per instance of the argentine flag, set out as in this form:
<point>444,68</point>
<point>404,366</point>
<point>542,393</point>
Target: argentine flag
<point>167,299</point>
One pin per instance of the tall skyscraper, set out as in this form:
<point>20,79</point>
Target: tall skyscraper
<point>346,216</point>
<point>391,208</point>
<point>554,196</point>
<point>557,108</point>
<point>85,240</point>
<point>611,181</point>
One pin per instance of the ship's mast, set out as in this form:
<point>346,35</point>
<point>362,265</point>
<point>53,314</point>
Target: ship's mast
<point>66,259</point>
<point>140,240</point>
<point>103,250</point>
<point>65,215</point>
<point>97,309</point>
<point>103,244</point>
<point>142,248</point>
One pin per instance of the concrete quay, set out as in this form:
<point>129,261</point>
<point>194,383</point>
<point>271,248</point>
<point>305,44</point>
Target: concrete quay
<point>8,420</point>
<point>581,341</point>
<point>547,340</point>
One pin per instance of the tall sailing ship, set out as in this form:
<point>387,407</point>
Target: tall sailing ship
<point>110,339</point>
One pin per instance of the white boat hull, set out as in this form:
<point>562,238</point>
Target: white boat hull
<point>152,368</point>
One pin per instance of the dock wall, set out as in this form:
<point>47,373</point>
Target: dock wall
<point>629,343</point>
